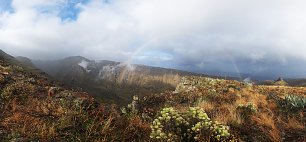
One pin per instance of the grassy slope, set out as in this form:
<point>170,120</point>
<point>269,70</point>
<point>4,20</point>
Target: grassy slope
<point>222,101</point>
<point>28,113</point>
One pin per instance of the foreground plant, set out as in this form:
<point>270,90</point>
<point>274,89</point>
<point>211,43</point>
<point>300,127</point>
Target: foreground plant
<point>294,103</point>
<point>194,125</point>
<point>247,110</point>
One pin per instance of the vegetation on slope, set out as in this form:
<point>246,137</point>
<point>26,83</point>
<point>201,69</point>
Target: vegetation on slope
<point>32,109</point>
<point>200,109</point>
<point>253,113</point>
<point>109,81</point>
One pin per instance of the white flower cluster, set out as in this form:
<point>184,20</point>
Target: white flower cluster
<point>167,115</point>
<point>171,125</point>
<point>218,131</point>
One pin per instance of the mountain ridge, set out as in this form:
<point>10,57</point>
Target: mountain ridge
<point>103,75</point>
<point>109,80</point>
<point>33,108</point>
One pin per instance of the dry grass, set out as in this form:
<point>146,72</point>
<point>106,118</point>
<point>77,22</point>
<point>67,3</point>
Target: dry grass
<point>72,116</point>
<point>207,106</point>
<point>267,126</point>
<point>257,99</point>
<point>293,123</point>
<point>137,129</point>
<point>267,123</point>
<point>222,113</point>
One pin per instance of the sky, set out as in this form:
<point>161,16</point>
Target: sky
<point>256,37</point>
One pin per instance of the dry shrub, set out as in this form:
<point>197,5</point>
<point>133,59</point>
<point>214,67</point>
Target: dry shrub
<point>234,118</point>
<point>272,105</point>
<point>267,126</point>
<point>295,130</point>
<point>257,99</point>
<point>224,98</point>
<point>45,131</point>
<point>225,113</point>
<point>14,104</point>
<point>28,126</point>
<point>207,106</point>
<point>292,123</point>
<point>137,129</point>
<point>222,113</point>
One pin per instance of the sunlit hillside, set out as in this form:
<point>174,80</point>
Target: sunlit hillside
<point>251,112</point>
<point>199,109</point>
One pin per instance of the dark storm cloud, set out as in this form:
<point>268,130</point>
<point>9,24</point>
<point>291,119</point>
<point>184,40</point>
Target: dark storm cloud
<point>258,37</point>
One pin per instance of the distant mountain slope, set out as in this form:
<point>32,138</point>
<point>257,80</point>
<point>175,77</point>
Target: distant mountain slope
<point>111,80</point>
<point>290,82</point>
<point>26,61</point>
<point>8,58</point>
<point>23,62</point>
<point>296,82</point>
<point>34,109</point>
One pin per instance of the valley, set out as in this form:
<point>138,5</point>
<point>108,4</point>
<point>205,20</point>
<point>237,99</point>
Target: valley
<point>111,81</point>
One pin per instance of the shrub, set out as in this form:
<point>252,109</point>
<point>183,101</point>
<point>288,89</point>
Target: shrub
<point>294,103</point>
<point>19,90</point>
<point>247,110</point>
<point>194,125</point>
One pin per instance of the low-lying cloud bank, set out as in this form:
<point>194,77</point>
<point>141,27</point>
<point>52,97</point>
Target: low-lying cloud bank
<point>258,37</point>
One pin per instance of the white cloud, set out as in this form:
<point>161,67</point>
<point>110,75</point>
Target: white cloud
<point>190,31</point>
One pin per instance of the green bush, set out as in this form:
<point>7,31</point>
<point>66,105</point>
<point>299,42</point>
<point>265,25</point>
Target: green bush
<point>294,103</point>
<point>194,125</point>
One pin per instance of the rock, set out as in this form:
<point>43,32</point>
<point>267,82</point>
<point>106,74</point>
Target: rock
<point>4,73</point>
<point>31,80</point>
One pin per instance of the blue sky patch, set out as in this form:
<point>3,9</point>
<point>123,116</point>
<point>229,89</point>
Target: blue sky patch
<point>6,5</point>
<point>69,10</point>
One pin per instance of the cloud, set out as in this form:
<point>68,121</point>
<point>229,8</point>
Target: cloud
<point>238,36</point>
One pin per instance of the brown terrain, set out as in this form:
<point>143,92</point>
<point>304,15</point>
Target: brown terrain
<point>33,108</point>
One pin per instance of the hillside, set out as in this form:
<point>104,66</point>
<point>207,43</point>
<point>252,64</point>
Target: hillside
<point>198,109</point>
<point>300,82</point>
<point>111,81</point>
<point>26,61</point>
<point>19,61</point>
<point>253,113</point>
<point>34,109</point>
<point>296,82</point>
